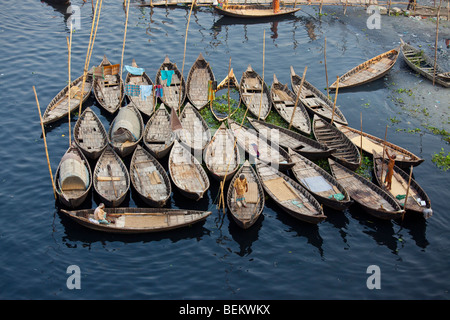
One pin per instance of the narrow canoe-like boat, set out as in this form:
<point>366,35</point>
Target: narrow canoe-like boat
<point>258,147</point>
<point>284,101</point>
<point>138,220</point>
<point>222,156</point>
<point>158,135</point>
<point>195,134</point>
<point>286,138</point>
<point>255,93</point>
<point>187,173</point>
<point>345,150</point>
<point>405,158</point>
<point>322,185</point>
<point>315,101</point>
<point>111,178</point>
<point>374,200</point>
<point>421,63</point>
<point>199,79</point>
<point>89,134</point>
<point>73,178</point>
<point>58,108</point>
<point>289,195</point>
<point>245,217</point>
<point>369,70</point>
<point>222,108</point>
<point>144,98</point>
<point>126,130</point>
<point>108,88</point>
<point>149,178</point>
<point>253,10</point>
<point>418,201</point>
<point>172,83</point>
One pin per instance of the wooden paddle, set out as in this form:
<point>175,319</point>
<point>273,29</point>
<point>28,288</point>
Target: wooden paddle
<point>112,180</point>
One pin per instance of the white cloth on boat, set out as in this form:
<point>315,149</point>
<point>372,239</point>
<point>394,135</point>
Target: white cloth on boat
<point>317,184</point>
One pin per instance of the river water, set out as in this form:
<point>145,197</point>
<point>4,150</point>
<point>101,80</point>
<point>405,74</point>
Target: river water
<point>279,258</point>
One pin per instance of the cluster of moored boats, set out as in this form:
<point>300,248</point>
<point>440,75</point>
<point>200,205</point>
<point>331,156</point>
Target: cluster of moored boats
<point>175,131</point>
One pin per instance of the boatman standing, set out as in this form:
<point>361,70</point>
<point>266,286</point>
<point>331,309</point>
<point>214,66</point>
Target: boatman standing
<point>390,170</point>
<point>241,187</point>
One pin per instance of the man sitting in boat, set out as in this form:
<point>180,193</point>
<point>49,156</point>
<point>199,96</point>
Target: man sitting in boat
<point>100,214</point>
<point>241,187</point>
<point>390,170</point>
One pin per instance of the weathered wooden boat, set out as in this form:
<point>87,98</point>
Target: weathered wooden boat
<point>421,63</point>
<point>418,201</point>
<point>222,157</point>
<point>149,178</point>
<point>286,138</point>
<point>111,178</point>
<point>73,178</point>
<point>58,108</point>
<point>126,130</point>
<point>199,82</point>
<point>245,217</point>
<point>195,134</point>
<point>108,86</point>
<point>253,10</point>
<point>315,101</point>
<point>289,195</point>
<point>258,147</point>
<point>140,94</point>
<point>322,185</point>
<point>138,220</point>
<point>284,101</point>
<point>368,71</point>
<point>224,108</point>
<point>187,173</point>
<point>158,135</point>
<point>89,134</point>
<point>255,94</point>
<point>172,83</point>
<point>345,150</point>
<point>368,195</point>
<point>405,158</point>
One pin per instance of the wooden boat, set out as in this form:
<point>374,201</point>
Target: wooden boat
<point>322,185</point>
<point>421,63</point>
<point>149,178</point>
<point>251,88</point>
<point>253,10</point>
<point>58,108</point>
<point>145,104</point>
<point>111,178</point>
<point>158,135</point>
<point>195,134</point>
<point>289,195</point>
<point>138,220</point>
<point>222,157</point>
<point>258,147</point>
<point>418,201</point>
<point>173,85</point>
<point>284,101</point>
<point>372,198</point>
<point>199,79</point>
<point>89,134</point>
<point>346,152</point>
<point>73,178</point>
<point>187,173</point>
<point>126,130</point>
<point>224,108</point>
<point>245,217</point>
<point>315,101</point>
<point>368,71</point>
<point>286,138</point>
<point>405,158</point>
<point>108,89</point>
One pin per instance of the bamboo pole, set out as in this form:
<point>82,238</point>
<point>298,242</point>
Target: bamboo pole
<point>360,160</point>
<point>229,106</point>
<point>124,38</point>
<point>382,158</point>
<point>407,191</point>
<point>320,9</point>
<point>45,143</point>
<point>335,98</point>
<point>69,48</point>
<point>326,73</point>
<point>436,43</point>
<point>345,9</point>
<point>262,84</point>
<point>298,96</point>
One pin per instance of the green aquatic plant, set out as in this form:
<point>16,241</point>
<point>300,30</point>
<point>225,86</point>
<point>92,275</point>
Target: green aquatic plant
<point>365,169</point>
<point>442,160</point>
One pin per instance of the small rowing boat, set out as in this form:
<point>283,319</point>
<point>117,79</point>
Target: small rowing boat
<point>195,133</point>
<point>158,135</point>
<point>199,83</point>
<point>172,83</point>
<point>89,134</point>
<point>225,105</point>
<point>253,10</point>
<point>255,94</point>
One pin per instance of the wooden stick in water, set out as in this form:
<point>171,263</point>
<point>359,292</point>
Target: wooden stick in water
<point>325,59</point>
<point>124,37</point>
<point>298,97</point>
<point>436,43</point>
<point>262,84</point>
<point>335,98</point>
<point>382,158</point>
<point>360,160</point>
<point>407,191</point>
<point>69,48</point>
